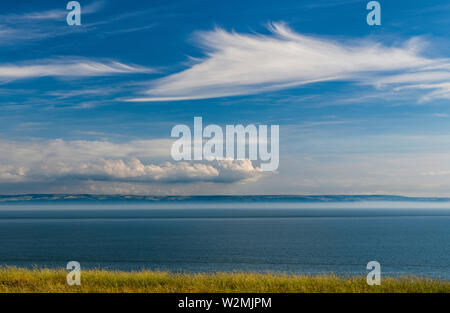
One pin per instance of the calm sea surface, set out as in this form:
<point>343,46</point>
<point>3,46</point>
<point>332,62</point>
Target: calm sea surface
<point>406,238</point>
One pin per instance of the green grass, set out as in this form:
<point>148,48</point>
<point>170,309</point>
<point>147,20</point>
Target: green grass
<point>46,280</point>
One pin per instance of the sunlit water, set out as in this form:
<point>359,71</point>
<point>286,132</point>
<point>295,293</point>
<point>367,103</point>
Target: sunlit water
<point>406,238</point>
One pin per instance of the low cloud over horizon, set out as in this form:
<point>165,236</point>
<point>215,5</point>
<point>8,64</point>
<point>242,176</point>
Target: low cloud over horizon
<point>74,163</point>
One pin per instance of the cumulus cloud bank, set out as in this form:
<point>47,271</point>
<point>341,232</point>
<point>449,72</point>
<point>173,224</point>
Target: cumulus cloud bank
<point>105,161</point>
<point>241,64</point>
<point>133,170</point>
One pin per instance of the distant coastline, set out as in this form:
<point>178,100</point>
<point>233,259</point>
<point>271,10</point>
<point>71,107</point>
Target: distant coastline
<point>80,198</point>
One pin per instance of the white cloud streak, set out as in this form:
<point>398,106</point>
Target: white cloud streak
<point>66,67</point>
<point>56,14</point>
<point>242,64</point>
<point>20,28</point>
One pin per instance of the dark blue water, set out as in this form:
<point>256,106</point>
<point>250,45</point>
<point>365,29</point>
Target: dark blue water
<point>301,238</point>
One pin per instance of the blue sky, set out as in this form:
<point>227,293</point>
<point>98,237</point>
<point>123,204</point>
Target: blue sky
<point>362,109</point>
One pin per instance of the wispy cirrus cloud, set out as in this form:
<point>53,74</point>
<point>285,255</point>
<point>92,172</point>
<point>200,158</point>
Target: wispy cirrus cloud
<point>242,64</point>
<point>66,67</point>
<point>27,27</point>
<point>55,14</point>
<point>439,90</point>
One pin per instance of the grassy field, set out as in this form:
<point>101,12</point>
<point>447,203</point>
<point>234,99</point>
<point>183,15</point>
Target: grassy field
<point>45,281</point>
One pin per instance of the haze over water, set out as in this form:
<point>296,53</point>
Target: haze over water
<point>406,238</point>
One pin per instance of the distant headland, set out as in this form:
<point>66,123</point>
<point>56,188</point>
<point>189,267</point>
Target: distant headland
<point>78,198</point>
